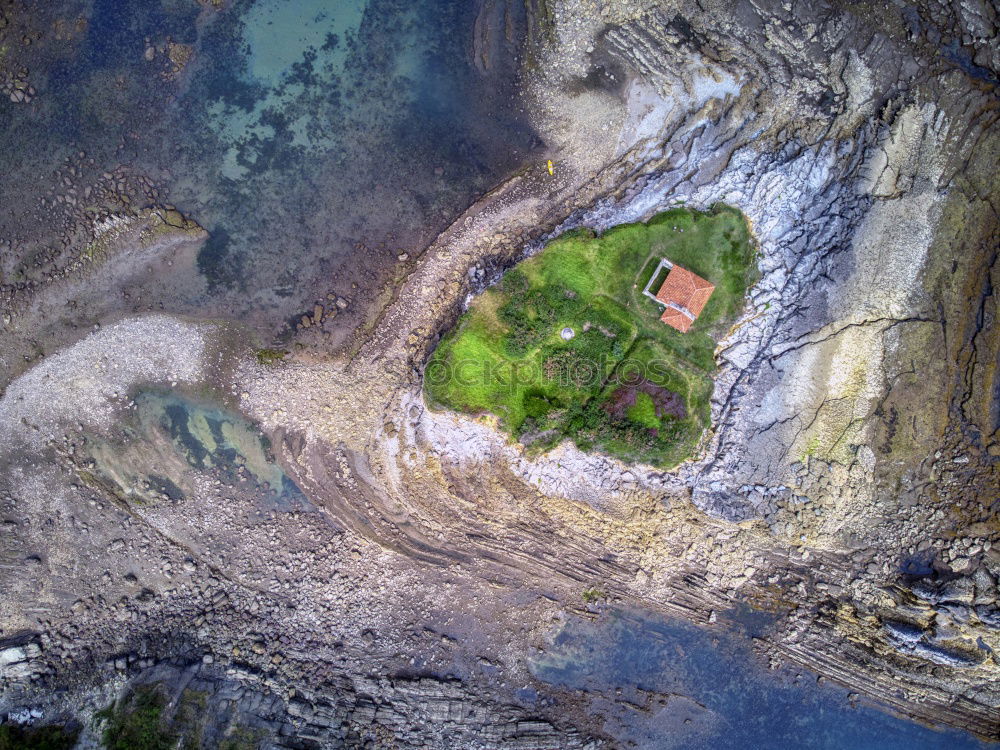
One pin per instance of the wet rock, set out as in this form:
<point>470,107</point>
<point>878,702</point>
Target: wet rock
<point>986,587</point>
<point>903,632</point>
<point>958,591</point>
<point>17,656</point>
<point>948,656</point>
<point>961,564</point>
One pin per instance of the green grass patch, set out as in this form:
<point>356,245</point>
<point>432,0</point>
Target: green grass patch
<point>624,383</point>
<point>643,412</point>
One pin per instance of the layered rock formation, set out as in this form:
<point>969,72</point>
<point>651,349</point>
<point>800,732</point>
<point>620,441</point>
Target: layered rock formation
<point>849,483</point>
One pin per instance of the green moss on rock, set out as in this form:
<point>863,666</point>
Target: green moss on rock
<point>135,722</point>
<point>270,356</point>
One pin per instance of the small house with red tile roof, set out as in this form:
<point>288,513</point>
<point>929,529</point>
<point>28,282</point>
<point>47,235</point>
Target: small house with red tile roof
<point>683,295</point>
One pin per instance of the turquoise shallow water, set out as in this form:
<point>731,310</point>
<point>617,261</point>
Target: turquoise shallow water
<point>290,48</point>
<point>217,440</point>
<point>317,132</point>
<point>668,685</point>
<point>172,440</point>
<point>315,140</point>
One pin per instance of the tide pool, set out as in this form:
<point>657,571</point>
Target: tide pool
<point>316,141</point>
<point>669,685</point>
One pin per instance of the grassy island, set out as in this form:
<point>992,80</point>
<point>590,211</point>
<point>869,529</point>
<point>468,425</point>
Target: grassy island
<point>567,344</point>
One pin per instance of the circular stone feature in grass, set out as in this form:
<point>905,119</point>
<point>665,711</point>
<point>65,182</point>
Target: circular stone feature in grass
<point>618,379</point>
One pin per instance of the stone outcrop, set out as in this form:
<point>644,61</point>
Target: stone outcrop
<point>206,706</point>
<point>17,657</point>
<point>848,484</point>
<point>853,148</point>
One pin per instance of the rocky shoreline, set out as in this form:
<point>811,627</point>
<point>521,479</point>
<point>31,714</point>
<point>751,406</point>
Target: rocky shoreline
<point>847,486</point>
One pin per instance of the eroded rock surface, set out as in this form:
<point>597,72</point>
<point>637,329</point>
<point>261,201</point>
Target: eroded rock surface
<point>849,484</point>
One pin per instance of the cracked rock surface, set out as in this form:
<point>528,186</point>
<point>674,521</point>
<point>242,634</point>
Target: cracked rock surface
<point>849,484</point>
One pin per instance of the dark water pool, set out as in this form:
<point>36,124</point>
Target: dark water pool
<point>316,140</point>
<point>669,685</point>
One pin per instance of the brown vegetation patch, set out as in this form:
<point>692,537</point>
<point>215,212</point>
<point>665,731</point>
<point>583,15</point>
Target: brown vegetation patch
<point>667,402</point>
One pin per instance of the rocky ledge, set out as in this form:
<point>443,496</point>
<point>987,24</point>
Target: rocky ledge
<point>848,485</point>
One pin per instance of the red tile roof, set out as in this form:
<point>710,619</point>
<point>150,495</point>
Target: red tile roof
<point>677,319</point>
<point>685,294</point>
